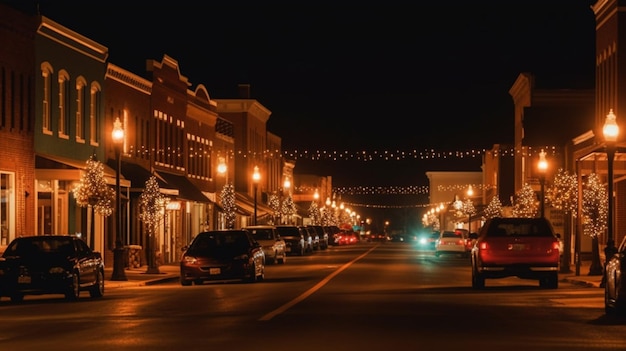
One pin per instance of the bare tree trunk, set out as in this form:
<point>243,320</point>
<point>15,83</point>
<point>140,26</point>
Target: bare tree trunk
<point>596,265</point>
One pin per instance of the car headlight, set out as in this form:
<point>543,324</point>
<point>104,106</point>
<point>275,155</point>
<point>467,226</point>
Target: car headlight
<point>190,260</point>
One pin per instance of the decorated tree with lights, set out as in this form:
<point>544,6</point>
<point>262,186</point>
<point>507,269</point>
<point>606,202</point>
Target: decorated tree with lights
<point>288,208</point>
<point>151,211</point>
<point>274,204</point>
<point>228,204</point>
<point>563,194</point>
<point>93,192</point>
<point>327,216</point>
<point>314,213</point>
<point>525,204</point>
<point>494,208</point>
<point>595,212</point>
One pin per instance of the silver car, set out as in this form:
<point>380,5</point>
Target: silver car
<point>271,242</point>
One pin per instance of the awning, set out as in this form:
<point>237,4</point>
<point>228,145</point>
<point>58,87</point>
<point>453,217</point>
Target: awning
<point>63,168</point>
<point>186,189</point>
<point>246,203</point>
<point>138,176</point>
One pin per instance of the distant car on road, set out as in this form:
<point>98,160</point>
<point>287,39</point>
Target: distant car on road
<point>426,241</point>
<point>50,264</point>
<point>222,255</point>
<point>453,242</point>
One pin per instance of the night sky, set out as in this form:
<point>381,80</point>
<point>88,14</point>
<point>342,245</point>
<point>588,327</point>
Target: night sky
<point>366,76</point>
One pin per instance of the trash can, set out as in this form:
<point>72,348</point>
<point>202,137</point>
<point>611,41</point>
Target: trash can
<point>134,256</point>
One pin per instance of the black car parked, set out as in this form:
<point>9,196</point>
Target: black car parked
<point>50,264</point>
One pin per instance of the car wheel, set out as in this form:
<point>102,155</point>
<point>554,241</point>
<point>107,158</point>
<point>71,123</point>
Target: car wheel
<point>478,281</point>
<point>185,282</point>
<point>261,276</point>
<point>282,258</point>
<point>275,258</point>
<point>97,290</point>
<point>73,291</point>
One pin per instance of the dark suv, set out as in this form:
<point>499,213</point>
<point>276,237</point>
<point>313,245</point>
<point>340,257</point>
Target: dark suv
<point>526,248</point>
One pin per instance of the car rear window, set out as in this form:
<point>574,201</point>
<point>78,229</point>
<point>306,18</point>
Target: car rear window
<point>525,228</point>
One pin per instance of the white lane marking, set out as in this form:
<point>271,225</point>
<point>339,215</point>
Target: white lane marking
<point>308,293</point>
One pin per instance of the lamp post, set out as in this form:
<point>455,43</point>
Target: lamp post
<point>256,176</point>
<point>610,131</point>
<point>118,252</point>
<point>542,166</point>
<point>470,193</point>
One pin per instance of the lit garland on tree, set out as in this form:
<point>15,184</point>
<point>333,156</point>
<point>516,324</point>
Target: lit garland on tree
<point>274,204</point>
<point>327,217</point>
<point>563,194</point>
<point>288,208</point>
<point>595,206</point>
<point>314,213</point>
<point>494,209</point>
<point>228,204</point>
<point>468,207</point>
<point>525,202</point>
<point>92,190</point>
<point>151,204</point>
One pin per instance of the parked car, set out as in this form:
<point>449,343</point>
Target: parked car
<point>315,237</point>
<point>272,243</point>
<point>50,264</point>
<point>453,242</point>
<point>322,236</point>
<point>615,284</point>
<point>222,255</point>
<point>332,230</point>
<point>294,239</point>
<point>308,238</point>
<point>526,248</point>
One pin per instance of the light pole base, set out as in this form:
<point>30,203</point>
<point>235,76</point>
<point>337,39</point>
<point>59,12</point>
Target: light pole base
<point>119,274</point>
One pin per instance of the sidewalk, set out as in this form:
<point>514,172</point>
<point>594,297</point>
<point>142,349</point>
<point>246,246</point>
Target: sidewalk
<point>171,272</point>
<point>592,281</point>
<point>139,277</point>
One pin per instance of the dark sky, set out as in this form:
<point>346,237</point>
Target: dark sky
<point>375,76</point>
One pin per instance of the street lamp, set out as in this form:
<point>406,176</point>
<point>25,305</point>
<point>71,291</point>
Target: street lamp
<point>118,252</point>
<point>256,176</point>
<point>542,166</point>
<point>470,193</point>
<point>610,131</point>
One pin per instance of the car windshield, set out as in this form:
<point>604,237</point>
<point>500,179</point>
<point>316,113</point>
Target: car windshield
<point>39,245</point>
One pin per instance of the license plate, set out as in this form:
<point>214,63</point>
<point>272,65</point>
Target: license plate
<point>518,247</point>
<point>215,271</point>
<point>23,279</point>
